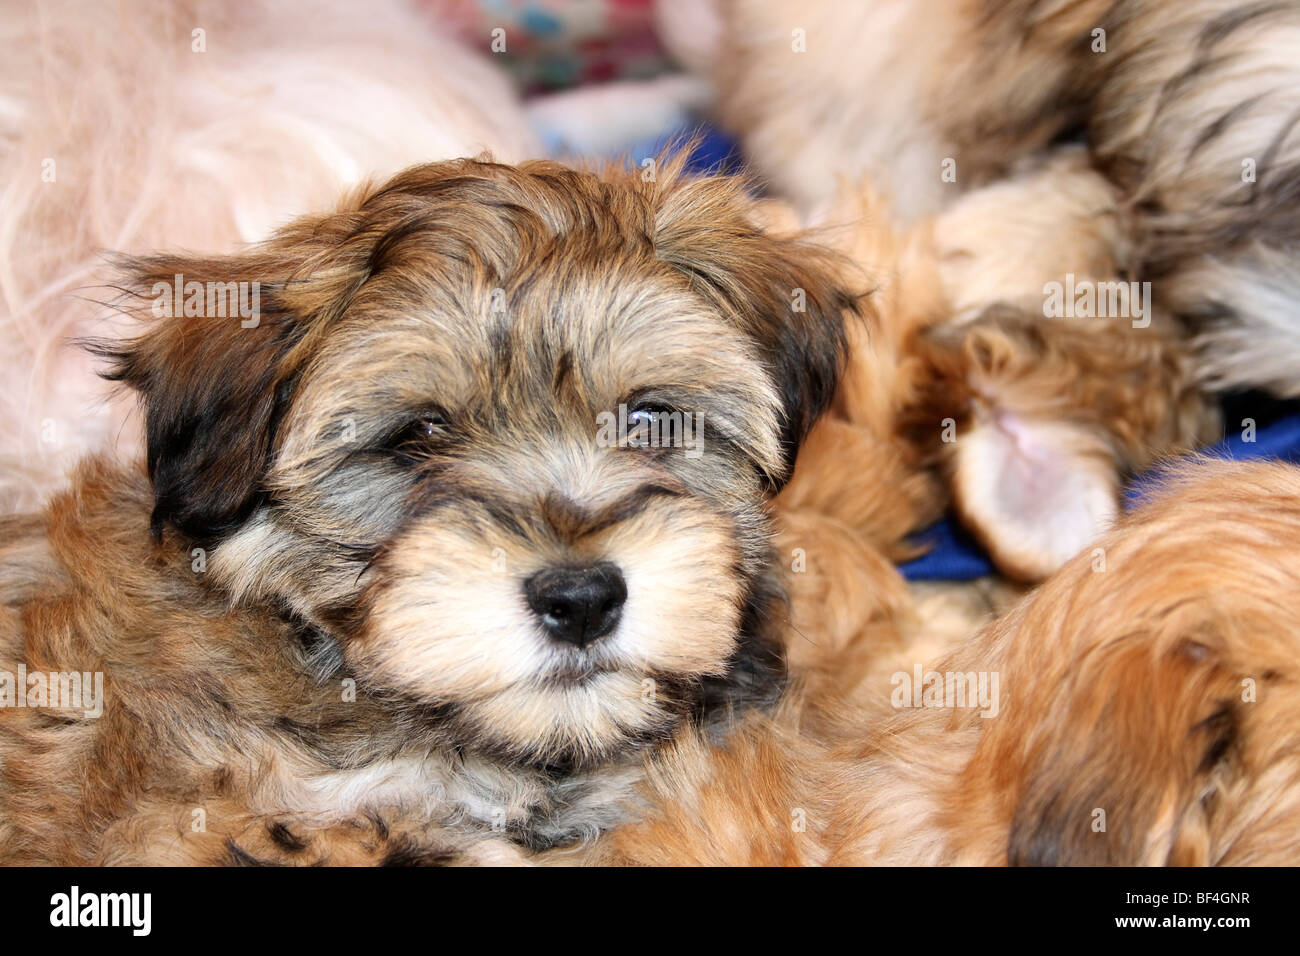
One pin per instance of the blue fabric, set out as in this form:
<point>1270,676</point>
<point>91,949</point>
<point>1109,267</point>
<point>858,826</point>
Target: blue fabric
<point>955,557</point>
<point>714,152</point>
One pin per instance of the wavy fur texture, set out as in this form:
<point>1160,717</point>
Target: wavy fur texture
<point>1187,106</point>
<point>311,603</point>
<point>281,111</point>
<point>1147,716</point>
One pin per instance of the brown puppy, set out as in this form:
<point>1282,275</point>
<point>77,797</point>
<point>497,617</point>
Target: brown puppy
<point>1055,376</point>
<point>431,553</point>
<point>1144,711</point>
<point>1187,106</point>
<point>1149,709</point>
<point>1030,417</point>
<point>928,97</point>
<point>1179,194</point>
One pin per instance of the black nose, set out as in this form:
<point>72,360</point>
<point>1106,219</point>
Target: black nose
<point>577,605</point>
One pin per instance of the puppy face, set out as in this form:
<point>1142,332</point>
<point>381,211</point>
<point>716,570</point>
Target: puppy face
<point>417,447</point>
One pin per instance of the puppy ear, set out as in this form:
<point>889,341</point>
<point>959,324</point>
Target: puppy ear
<point>1035,423</point>
<point>786,293</point>
<point>1151,700</point>
<point>214,367</point>
<point>210,386</point>
<point>1131,770</point>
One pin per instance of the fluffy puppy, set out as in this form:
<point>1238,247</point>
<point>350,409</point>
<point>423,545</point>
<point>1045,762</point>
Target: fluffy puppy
<point>969,388</point>
<point>1188,106</point>
<point>196,125</point>
<point>1149,705</point>
<point>388,585</point>
<point>1146,713</point>
<point>895,89</point>
<point>1037,408</point>
<point>1195,118</point>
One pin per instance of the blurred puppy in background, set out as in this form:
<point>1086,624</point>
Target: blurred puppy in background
<point>133,126</point>
<point>1029,422</point>
<point>1143,712</point>
<point>1149,711</point>
<point>1185,179</point>
<point>1037,407</point>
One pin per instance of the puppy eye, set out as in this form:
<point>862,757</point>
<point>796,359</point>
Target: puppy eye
<point>645,415</point>
<point>651,424</point>
<point>418,433</point>
<point>428,426</point>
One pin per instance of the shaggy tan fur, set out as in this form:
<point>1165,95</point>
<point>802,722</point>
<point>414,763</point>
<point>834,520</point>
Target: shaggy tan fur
<point>1187,182</point>
<point>1031,421</point>
<point>1187,106</point>
<point>1047,413</point>
<point>311,604</point>
<point>1158,688</point>
<point>124,130</point>
<point>1147,715</point>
